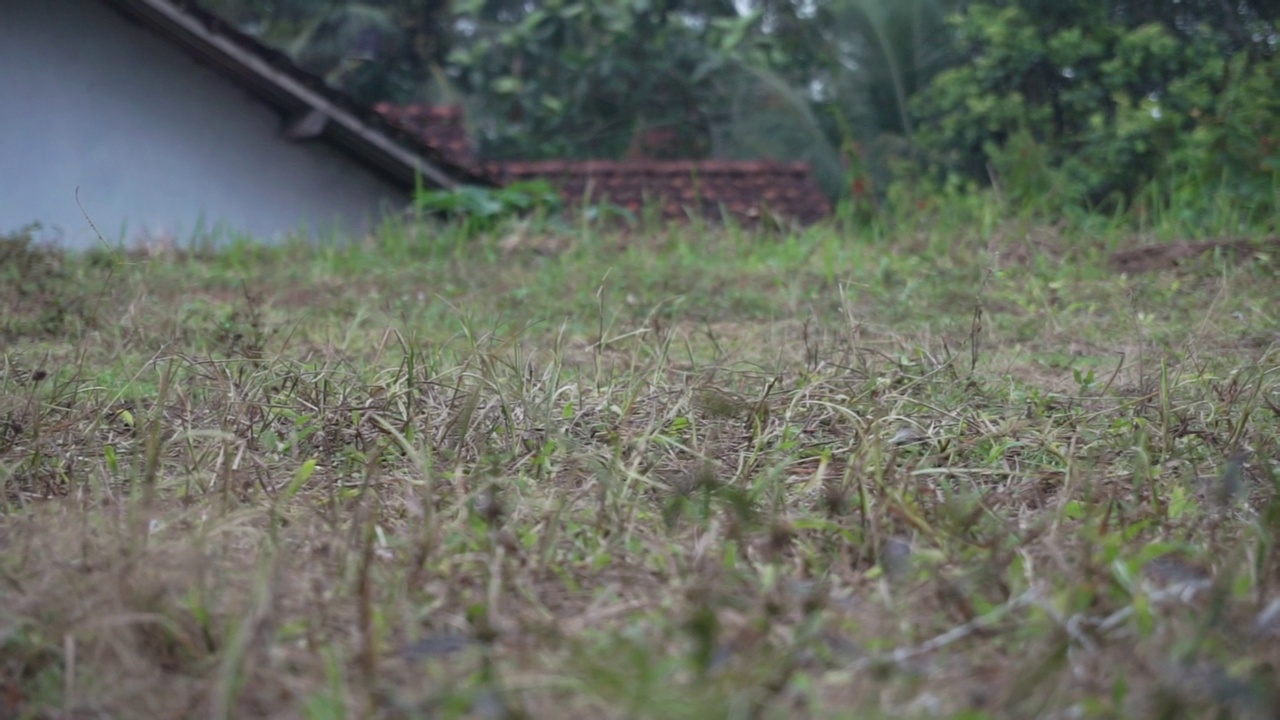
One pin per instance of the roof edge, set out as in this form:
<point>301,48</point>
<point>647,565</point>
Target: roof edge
<point>285,92</point>
<point>708,166</point>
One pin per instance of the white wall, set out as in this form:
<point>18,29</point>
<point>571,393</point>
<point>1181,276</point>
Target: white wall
<point>155,141</point>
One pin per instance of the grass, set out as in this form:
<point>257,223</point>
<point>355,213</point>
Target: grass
<point>957,469</point>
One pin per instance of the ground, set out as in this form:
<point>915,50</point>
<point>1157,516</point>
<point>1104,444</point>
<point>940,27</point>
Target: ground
<point>947,469</point>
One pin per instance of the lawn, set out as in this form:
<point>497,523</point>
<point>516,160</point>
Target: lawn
<point>956,468</point>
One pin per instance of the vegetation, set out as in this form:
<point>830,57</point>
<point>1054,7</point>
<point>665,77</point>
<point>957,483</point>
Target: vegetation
<point>951,466</point>
<point>481,209</point>
<point>997,441</point>
<point>1065,107</point>
<point>1096,112</point>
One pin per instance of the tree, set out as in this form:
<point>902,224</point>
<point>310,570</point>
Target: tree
<point>1090,108</point>
<point>771,78</point>
<point>374,50</point>
<point>579,78</point>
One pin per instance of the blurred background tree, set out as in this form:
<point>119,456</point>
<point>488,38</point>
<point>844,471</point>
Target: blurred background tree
<point>1057,105</point>
<point>1090,107</point>
<point>373,50</point>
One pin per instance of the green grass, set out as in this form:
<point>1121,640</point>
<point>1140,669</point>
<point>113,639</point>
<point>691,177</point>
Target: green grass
<point>959,468</point>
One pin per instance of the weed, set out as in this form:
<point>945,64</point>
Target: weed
<point>38,293</point>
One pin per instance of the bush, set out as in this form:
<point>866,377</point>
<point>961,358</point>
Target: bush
<point>1100,114</point>
<point>481,209</point>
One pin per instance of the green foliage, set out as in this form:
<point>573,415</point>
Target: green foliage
<point>832,88</point>
<point>374,50</point>
<point>34,282</point>
<point>589,78</point>
<point>579,78</point>
<point>1237,147</point>
<point>1091,111</point>
<point>481,209</point>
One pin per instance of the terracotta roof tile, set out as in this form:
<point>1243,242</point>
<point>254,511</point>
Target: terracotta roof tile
<point>743,188</point>
<point>438,126</point>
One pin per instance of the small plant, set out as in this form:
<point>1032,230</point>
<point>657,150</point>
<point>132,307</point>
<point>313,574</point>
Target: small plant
<point>481,209</point>
<point>38,296</point>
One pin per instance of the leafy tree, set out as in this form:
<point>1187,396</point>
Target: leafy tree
<point>579,78</point>
<point>864,60</point>
<point>378,51</point>
<point>774,78</point>
<point>374,50</point>
<point>1090,108</point>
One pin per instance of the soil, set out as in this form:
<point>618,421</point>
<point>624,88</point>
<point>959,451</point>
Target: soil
<point>1167,256</point>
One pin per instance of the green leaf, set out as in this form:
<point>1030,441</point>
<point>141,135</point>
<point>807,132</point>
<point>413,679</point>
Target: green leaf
<point>506,85</point>
<point>300,478</point>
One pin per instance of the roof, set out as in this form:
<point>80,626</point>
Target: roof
<point>313,108</point>
<point>439,126</point>
<point>745,189</point>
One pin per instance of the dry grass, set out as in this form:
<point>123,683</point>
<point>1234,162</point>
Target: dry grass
<point>745,486</point>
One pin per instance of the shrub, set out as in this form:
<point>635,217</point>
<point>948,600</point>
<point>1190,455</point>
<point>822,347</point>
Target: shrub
<point>1091,111</point>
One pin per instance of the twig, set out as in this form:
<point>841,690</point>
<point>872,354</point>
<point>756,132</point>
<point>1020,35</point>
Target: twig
<point>960,632</point>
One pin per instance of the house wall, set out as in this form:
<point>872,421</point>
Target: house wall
<point>158,144</point>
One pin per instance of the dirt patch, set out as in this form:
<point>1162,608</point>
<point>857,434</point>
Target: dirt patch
<point>1152,258</point>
